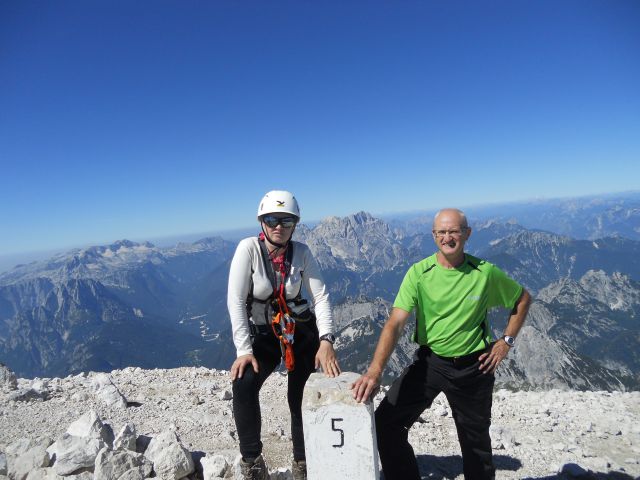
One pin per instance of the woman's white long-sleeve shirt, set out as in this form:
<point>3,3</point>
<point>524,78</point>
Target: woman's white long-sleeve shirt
<point>247,265</point>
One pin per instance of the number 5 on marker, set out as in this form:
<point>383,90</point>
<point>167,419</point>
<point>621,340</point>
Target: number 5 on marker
<point>333,427</point>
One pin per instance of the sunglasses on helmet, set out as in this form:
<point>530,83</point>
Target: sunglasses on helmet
<point>272,222</point>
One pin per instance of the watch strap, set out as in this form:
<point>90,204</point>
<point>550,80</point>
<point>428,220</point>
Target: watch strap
<point>329,337</point>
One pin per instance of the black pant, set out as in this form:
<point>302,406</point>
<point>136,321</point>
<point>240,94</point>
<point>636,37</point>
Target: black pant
<point>469,393</point>
<point>246,401</point>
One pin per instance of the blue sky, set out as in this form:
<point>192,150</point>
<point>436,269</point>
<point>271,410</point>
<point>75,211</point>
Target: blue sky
<point>136,120</point>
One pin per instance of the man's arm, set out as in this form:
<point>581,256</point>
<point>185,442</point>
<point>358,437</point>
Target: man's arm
<point>489,361</point>
<point>370,381</point>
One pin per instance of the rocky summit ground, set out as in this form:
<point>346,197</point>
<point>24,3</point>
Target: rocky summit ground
<point>536,435</point>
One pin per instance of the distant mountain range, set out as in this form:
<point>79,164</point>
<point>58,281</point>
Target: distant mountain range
<point>582,218</point>
<point>121,304</point>
<point>127,303</point>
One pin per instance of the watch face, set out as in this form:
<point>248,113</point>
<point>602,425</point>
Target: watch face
<point>509,340</point>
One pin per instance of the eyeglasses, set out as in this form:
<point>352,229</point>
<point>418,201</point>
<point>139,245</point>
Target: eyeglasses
<point>272,222</point>
<point>452,233</point>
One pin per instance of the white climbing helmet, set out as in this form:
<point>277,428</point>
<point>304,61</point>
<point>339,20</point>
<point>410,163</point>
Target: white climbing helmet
<point>278,201</point>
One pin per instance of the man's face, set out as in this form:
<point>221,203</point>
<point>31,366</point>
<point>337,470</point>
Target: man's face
<point>449,233</point>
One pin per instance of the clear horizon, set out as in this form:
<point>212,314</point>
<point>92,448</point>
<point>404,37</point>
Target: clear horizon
<point>171,240</point>
<point>156,119</point>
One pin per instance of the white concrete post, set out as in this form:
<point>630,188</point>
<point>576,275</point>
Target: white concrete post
<point>339,434</point>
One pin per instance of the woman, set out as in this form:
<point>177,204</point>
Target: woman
<point>271,323</point>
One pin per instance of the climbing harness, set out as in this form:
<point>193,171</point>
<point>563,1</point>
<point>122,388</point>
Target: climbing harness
<point>283,324</point>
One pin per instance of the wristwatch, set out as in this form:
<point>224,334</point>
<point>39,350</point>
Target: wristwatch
<point>511,341</point>
<point>329,337</point>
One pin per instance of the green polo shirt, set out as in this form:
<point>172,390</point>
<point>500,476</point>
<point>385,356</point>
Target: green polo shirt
<point>451,304</point>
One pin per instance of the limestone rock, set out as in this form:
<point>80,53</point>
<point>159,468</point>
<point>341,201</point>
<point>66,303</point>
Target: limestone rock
<point>26,455</point>
<point>574,419</point>
<point>321,391</point>
<point>80,476</point>
<point>40,385</point>
<point>107,392</point>
<point>75,453</point>
<point>29,395</point>
<point>214,467</point>
<point>8,379</point>
<point>119,464</point>
<point>171,461</point>
<point>89,425</point>
<point>45,474</point>
<point>441,411</point>
<point>501,438</point>
<point>80,396</point>
<point>281,474</point>
<point>126,438</point>
<point>237,469</point>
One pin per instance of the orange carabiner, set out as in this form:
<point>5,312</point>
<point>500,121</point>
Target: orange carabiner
<point>284,328</point>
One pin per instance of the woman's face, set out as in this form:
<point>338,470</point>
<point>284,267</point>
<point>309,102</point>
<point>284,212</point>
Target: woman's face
<point>279,226</point>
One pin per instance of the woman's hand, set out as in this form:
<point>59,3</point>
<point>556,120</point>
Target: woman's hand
<point>238,367</point>
<point>326,357</point>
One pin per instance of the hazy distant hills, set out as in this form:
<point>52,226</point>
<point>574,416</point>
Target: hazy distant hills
<point>127,303</point>
<point>581,218</point>
<point>538,258</point>
<point>585,218</point>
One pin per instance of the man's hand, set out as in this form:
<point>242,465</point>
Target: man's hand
<point>326,357</point>
<point>490,360</point>
<point>365,386</point>
<point>369,383</point>
<point>238,367</point>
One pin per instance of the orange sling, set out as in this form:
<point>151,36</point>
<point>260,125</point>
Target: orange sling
<point>283,324</point>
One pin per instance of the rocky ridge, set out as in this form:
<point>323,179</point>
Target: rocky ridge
<point>357,243</point>
<point>535,434</point>
<point>107,307</point>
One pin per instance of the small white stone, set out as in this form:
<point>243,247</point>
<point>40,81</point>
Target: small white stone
<point>170,458</point>
<point>214,466</point>
<point>225,395</point>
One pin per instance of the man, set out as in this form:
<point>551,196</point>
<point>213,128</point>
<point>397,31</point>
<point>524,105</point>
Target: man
<point>451,292</point>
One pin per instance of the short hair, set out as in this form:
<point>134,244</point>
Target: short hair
<point>463,217</point>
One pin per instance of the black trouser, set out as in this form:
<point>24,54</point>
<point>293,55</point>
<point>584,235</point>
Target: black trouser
<point>469,393</point>
<point>246,401</point>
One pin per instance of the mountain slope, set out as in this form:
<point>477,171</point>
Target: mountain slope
<point>111,306</point>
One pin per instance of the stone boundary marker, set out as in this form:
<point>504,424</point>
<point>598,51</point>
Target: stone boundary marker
<point>339,434</point>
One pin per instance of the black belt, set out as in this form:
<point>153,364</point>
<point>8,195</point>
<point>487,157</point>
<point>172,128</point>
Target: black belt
<point>259,329</point>
<point>263,329</point>
<point>462,361</point>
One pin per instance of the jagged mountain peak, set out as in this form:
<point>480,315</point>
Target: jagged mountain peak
<point>124,243</point>
<point>359,219</point>
<point>359,227</point>
<point>613,291</point>
<point>535,238</point>
<point>209,241</point>
<point>362,217</point>
<point>120,247</point>
<point>201,245</point>
<point>356,242</point>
